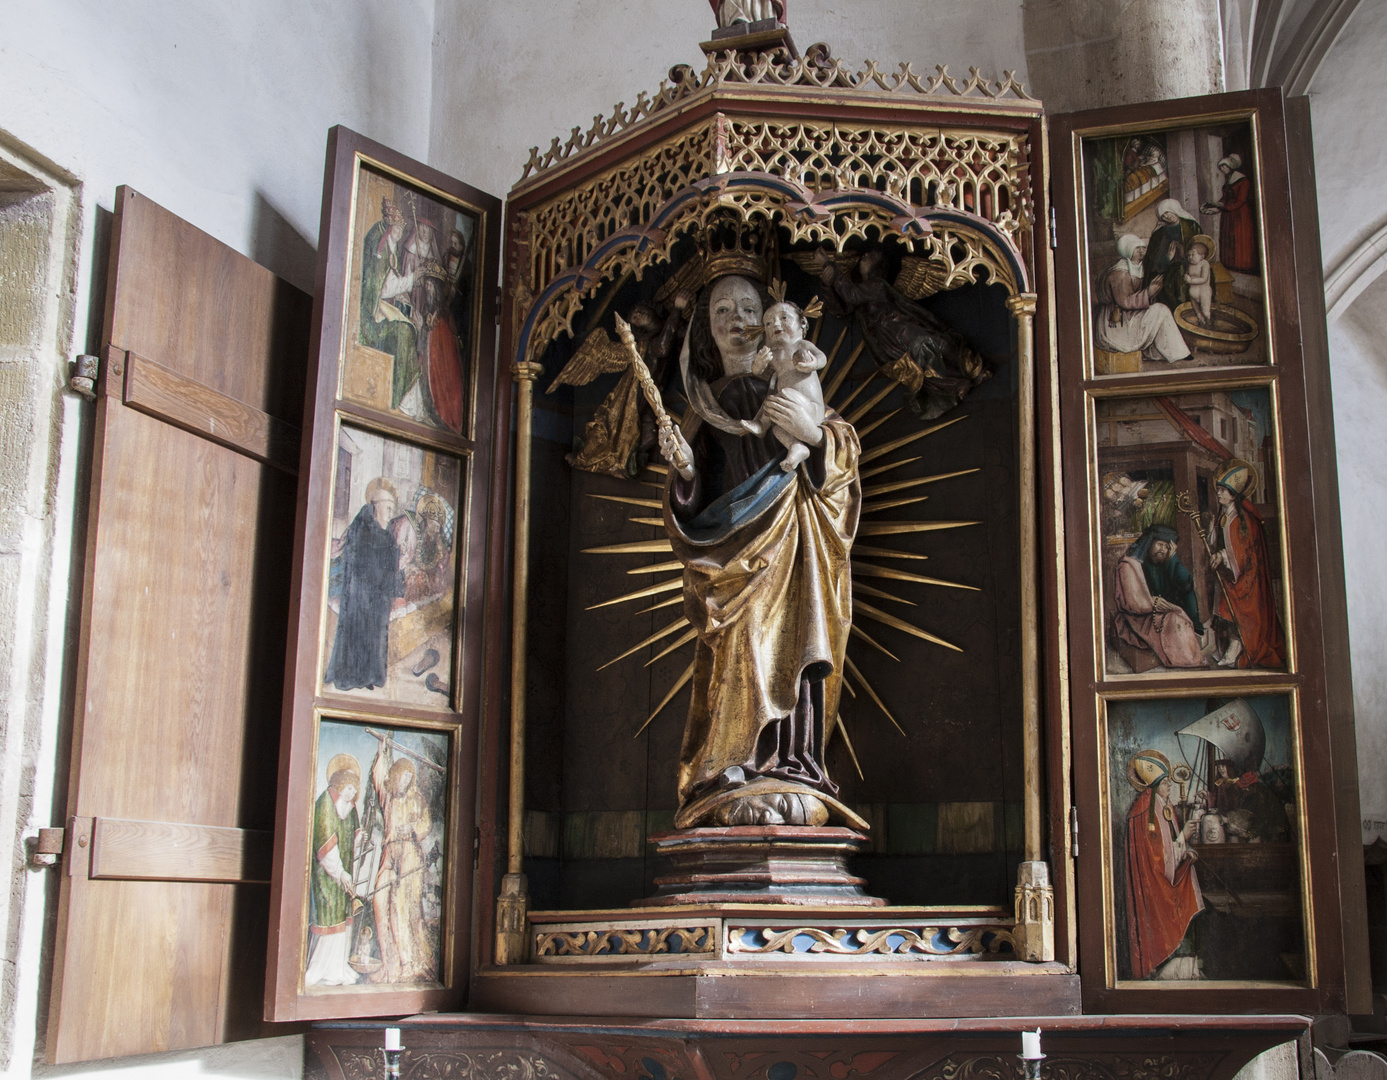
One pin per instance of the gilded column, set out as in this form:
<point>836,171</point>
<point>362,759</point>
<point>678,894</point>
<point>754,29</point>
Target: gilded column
<point>513,903</point>
<point>1035,897</point>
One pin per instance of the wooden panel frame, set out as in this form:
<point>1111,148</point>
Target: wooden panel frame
<point>304,699</point>
<point>1300,475</point>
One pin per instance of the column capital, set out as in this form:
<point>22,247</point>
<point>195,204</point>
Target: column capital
<point>525,371</point>
<point>1022,303</point>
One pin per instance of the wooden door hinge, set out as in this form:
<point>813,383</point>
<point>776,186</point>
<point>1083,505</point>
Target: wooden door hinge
<point>1073,832</point>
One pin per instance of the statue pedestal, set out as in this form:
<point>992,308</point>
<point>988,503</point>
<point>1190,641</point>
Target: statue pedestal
<point>760,864</point>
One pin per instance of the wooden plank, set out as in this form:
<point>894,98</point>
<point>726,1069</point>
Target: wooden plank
<point>172,851</point>
<point>196,407</point>
<point>180,655</point>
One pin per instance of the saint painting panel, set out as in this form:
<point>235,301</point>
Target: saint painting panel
<point>378,858</point>
<point>1204,834</point>
<point>1190,533</point>
<point>388,624</point>
<point>412,295</point>
<point>1172,240</point>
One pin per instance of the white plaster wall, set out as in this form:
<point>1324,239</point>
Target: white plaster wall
<point>1351,136</point>
<point>505,80</point>
<point>1351,175</point>
<point>220,113</point>
<point>1359,369</point>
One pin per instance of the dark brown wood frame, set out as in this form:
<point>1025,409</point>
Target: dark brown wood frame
<point>1316,623</point>
<point>555,991</point>
<point>284,996</point>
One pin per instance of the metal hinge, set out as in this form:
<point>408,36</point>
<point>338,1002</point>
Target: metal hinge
<point>1054,229</point>
<point>476,845</point>
<point>1073,832</point>
<point>46,848</point>
<point>83,381</point>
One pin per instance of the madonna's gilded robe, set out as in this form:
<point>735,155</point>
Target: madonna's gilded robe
<point>768,592</point>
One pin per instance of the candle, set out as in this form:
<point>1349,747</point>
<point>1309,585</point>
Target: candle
<point>392,1039</point>
<point>1030,1045</point>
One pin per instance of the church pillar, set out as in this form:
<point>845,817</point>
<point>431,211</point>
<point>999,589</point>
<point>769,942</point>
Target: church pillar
<point>1082,54</point>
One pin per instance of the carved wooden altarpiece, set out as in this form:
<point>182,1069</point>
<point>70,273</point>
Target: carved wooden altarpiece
<point>957,891</point>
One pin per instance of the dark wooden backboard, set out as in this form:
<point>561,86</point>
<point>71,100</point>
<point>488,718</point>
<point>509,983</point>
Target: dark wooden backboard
<point>1106,427</point>
<point>418,419</point>
<point>164,895</point>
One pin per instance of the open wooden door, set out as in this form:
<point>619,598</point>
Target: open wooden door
<point>1214,761</point>
<point>164,895</point>
<point>374,849</point>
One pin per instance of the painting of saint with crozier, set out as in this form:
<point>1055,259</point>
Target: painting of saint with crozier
<point>1204,824</point>
<point>1190,538</point>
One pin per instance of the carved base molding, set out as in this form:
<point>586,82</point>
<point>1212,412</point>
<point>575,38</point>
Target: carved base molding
<point>753,933</point>
<point>770,864</point>
<point>475,1047</point>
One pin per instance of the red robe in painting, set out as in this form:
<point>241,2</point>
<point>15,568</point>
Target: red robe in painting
<point>1162,890</point>
<point>445,375</point>
<point>1237,227</point>
<point>1246,598</point>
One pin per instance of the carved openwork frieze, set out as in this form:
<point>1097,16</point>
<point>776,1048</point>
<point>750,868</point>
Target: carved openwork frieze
<point>739,938</point>
<point>816,70</point>
<point>981,174</point>
<point>918,942</point>
<point>637,941</point>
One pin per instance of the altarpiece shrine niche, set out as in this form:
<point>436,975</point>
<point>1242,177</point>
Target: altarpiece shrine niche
<point>776,593</point>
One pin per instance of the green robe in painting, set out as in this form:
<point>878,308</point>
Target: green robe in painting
<point>385,326</point>
<point>331,904</point>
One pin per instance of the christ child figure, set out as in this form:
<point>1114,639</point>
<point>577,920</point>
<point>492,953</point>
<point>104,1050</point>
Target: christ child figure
<point>1199,276</point>
<point>794,363</point>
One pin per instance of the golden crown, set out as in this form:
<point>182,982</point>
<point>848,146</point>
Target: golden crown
<point>729,245</point>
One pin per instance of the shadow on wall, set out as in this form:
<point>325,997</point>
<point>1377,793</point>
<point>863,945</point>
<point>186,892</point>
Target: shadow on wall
<point>278,246</point>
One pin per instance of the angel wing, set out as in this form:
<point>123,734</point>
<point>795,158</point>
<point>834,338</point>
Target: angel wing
<point>846,261</point>
<point>921,277</point>
<point>597,355</point>
<point>688,276</point>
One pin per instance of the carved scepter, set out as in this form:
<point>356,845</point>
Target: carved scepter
<point>681,460</point>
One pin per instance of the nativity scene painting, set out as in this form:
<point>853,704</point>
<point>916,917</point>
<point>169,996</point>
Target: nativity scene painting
<point>1204,828</point>
<point>411,307</point>
<point>1173,248</point>
<point>378,859</point>
<point>389,627</point>
<point>1190,540</point>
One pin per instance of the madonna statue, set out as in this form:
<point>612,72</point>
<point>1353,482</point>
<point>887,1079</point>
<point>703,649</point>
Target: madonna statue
<point>766,576</point>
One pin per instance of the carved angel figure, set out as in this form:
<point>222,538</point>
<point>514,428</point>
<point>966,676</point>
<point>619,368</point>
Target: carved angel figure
<point>622,423</point>
<point>934,364</point>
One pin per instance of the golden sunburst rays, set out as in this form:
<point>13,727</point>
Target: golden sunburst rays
<point>870,558</point>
